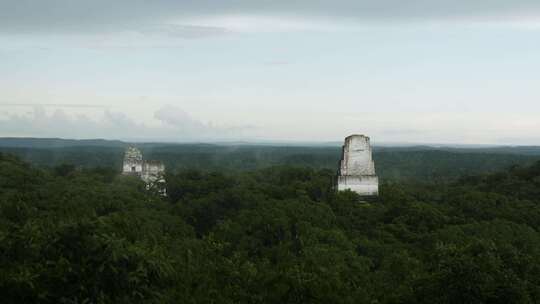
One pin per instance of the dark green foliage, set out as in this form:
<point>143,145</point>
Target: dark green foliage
<point>276,235</point>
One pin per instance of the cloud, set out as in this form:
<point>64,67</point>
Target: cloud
<point>277,62</point>
<point>182,122</point>
<point>180,16</point>
<point>55,105</point>
<point>173,124</point>
<point>184,31</point>
<point>177,118</point>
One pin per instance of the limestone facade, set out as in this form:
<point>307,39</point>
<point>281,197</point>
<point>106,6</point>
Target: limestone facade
<point>357,168</point>
<point>152,172</point>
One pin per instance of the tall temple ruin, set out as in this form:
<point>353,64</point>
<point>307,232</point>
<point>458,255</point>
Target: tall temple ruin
<point>356,168</point>
<point>152,172</point>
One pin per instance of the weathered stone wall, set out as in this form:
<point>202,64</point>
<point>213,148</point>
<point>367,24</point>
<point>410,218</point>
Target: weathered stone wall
<point>151,172</point>
<point>133,162</point>
<point>363,185</point>
<point>356,156</point>
<point>357,169</point>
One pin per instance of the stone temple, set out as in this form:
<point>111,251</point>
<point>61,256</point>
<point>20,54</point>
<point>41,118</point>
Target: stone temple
<point>150,171</point>
<point>356,168</point>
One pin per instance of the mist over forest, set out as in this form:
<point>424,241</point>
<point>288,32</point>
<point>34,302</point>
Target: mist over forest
<point>418,163</point>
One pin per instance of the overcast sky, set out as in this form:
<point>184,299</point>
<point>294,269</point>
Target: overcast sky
<point>420,71</point>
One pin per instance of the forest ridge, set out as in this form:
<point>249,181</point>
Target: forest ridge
<point>418,163</point>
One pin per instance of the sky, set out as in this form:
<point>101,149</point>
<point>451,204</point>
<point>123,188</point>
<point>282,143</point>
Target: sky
<point>416,71</point>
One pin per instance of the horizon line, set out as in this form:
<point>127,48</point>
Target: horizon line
<point>272,142</point>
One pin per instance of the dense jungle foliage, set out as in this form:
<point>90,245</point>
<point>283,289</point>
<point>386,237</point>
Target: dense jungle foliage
<point>272,235</point>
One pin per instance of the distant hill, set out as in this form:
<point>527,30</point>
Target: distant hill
<point>29,142</point>
<point>415,163</point>
<point>520,150</point>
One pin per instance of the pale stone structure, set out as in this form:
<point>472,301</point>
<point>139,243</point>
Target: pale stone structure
<point>133,162</point>
<point>151,172</point>
<point>357,169</point>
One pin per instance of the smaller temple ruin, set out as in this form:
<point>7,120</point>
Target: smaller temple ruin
<point>356,168</point>
<point>152,172</point>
